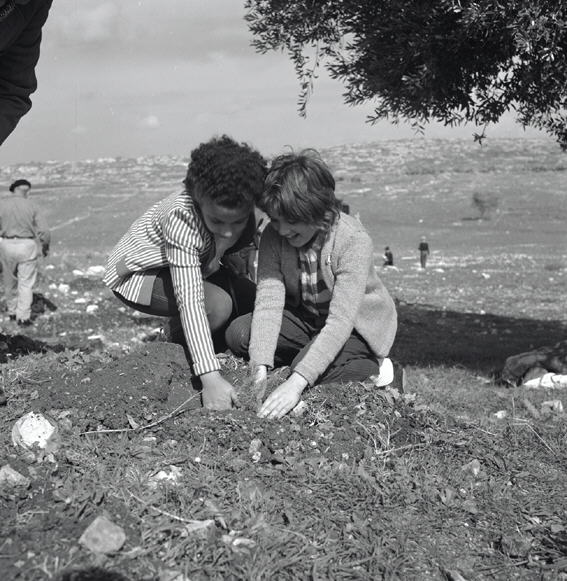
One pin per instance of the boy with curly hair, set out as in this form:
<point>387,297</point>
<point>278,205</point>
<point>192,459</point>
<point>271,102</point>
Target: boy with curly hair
<point>320,306</point>
<point>170,262</point>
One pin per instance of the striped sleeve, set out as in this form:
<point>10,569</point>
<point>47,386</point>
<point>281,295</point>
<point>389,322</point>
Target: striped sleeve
<point>182,243</point>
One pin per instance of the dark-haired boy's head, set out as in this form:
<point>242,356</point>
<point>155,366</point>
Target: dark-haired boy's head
<point>228,173</point>
<point>299,187</point>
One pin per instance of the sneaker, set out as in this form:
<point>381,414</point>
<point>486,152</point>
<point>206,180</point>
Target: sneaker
<point>24,323</point>
<point>399,381</point>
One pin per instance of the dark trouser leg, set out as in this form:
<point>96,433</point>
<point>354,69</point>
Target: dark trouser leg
<point>355,362</point>
<point>294,335</point>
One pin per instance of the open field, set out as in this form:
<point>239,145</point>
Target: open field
<point>367,484</point>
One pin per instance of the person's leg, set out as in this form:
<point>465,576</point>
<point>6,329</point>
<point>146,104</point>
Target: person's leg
<point>218,308</point>
<point>294,335</point>
<point>27,274</point>
<point>238,299</point>
<point>9,277</point>
<point>237,335</point>
<point>354,362</point>
<point>218,304</point>
<point>241,290</point>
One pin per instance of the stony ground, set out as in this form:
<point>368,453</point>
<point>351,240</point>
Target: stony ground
<point>458,478</point>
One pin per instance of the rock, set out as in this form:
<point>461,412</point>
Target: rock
<point>172,575</point>
<point>473,467</point>
<point>103,536</point>
<point>35,430</point>
<point>10,478</point>
<point>552,406</point>
<point>299,409</point>
<point>199,528</point>
<point>97,270</point>
<point>238,544</point>
<point>171,477</point>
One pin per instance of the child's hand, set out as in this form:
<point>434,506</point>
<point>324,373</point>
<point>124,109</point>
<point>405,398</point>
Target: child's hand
<point>284,398</point>
<point>218,393</point>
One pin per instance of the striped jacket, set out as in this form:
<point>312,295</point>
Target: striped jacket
<point>359,299</point>
<point>171,234</point>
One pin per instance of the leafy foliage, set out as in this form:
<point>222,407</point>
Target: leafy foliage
<point>454,61</point>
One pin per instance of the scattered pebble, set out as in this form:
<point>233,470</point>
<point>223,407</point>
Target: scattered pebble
<point>552,406</point>
<point>10,478</point>
<point>35,429</point>
<point>103,536</point>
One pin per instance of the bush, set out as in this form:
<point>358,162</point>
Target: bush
<point>486,204</point>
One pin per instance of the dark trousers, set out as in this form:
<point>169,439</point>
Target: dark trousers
<point>354,362</point>
<point>226,297</point>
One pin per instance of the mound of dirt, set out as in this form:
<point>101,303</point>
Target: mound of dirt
<point>139,386</point>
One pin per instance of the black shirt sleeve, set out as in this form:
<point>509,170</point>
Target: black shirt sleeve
<point>19,53</point>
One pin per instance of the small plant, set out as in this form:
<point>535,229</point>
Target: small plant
<point>486,203</point>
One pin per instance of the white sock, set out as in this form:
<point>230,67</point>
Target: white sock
<point>386,375</point>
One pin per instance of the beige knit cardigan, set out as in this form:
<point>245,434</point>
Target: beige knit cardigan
<point>359,298</point>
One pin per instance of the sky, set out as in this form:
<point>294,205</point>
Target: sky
<point>156,77</point>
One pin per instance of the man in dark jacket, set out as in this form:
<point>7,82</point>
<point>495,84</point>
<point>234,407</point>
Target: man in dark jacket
<point>21,22</point>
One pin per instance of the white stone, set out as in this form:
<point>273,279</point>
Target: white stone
<point>10,478</point>
<point>553,405</point>
<point>96,270</point>
<point>103,536</point>
<point>34,429</point>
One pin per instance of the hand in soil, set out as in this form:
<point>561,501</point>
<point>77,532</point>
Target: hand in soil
<point>284,398</point>
<point>218,393</point>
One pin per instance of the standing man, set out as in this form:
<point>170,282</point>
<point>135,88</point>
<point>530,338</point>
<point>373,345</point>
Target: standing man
<point>21,22</point>
<point>23,232</point>
<point>423,252</point>
<point>388,257</point>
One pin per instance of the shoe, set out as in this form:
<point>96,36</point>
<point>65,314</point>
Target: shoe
<point>399,381</point>
<point>22,323</point>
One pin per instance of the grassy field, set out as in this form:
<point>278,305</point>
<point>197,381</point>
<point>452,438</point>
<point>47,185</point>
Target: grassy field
<point>367,484</point>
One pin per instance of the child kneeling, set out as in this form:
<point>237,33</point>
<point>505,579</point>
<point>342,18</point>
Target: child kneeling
<point>320,307</point>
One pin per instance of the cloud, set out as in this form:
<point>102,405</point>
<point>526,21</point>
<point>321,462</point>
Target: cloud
<point>79,130</point>
<point>87,25</point>
<point>150,122</point>
<point>190,30</point>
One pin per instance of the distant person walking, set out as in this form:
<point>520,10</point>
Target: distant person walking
<point>388,257</point>
<point>423,252</point>
<point>21,22</point>
<point>23,234</point>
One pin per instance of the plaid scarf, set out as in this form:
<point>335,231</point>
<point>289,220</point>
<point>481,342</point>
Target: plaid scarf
<point>315,295</point>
